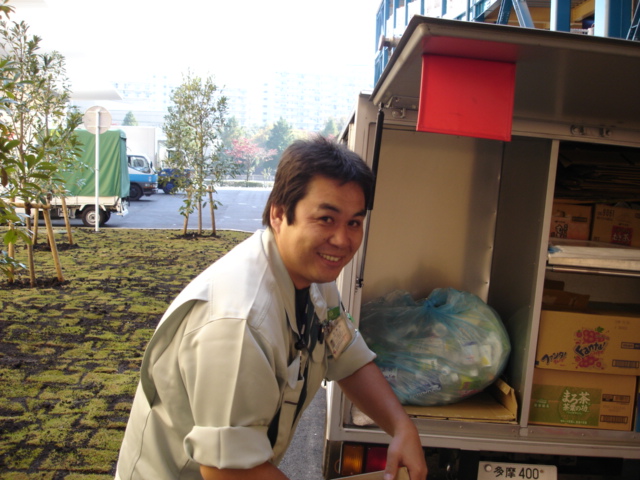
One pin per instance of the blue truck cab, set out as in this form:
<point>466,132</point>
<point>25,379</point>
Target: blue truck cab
<point>143,178</point>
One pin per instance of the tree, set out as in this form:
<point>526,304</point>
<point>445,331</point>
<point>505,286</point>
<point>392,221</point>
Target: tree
<point>232,131</point>
<point>8,215</point>
<point>332,127</point>
<point>280,136</point>
<point>246,153</point>
<point>193,127</point>
<point>130,120</point>
<point>40,125</point>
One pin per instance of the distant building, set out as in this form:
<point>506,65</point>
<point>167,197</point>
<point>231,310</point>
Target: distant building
<point>305,100</point>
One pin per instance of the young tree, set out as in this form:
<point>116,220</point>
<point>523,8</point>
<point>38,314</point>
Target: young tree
<point>40,124</point>
<point>130,119</point>
<point>8,215</point>
<point>246,153</point>
<point>193,126</point>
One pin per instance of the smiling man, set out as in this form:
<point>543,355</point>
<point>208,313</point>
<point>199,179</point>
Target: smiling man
<point>243,349</point>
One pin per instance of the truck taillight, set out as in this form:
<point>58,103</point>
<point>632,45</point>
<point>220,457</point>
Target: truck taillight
<point>352,459</point>
<point>358,458</point>
<point>376,459</point>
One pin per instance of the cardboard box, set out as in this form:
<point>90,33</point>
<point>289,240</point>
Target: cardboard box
<point>584,400</point>
<point>616,225</point>
<point>403,474</point>
<point>570,221</point>
<point>589,342</point>
<point>496,404</point>
<point>637,429</point>
<point>557,299</point>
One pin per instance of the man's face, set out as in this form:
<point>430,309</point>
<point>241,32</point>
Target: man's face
<point>325,234</point>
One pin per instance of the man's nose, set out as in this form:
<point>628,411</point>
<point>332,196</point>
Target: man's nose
<point>341,236</point>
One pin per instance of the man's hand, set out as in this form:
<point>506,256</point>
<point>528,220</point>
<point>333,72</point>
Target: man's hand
<point>405,450</point>
<point>370,392</point>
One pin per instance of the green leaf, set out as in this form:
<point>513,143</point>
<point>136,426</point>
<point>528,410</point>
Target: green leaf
<point>10,237</point>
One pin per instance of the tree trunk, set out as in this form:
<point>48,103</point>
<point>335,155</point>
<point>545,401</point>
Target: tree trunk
<point>52,242</point>
<point>185,224</point>
<point>36,219</point>
<point>11,251</point>
<point>186,217</point>
<point>67,223</point>
<point>212,207</point>
<point>200,216</point>
<point>30,262</point>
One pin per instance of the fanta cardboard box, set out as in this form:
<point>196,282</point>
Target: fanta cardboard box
<point>583,400</point>
<point>589,342</point>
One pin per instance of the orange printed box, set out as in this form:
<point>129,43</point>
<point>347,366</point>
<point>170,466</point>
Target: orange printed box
<point>589,342</point>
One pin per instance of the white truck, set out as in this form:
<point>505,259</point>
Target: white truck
<point>114,180</point>
<point>146,141</point>
<point>457,210</point>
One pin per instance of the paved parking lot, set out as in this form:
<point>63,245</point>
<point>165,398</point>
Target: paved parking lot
<point>237,209</point>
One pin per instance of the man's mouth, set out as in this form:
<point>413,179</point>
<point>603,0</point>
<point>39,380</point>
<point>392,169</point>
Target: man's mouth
<point>331,258</point>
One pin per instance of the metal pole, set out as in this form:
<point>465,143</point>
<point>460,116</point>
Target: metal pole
<point>97,205</point>
<point>374,168</point>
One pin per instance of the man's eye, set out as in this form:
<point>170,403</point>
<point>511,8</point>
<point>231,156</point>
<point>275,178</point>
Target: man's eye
<point>326,219</point>
<point>355,223</point>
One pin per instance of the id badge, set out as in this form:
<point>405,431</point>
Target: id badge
<point>339,335</point>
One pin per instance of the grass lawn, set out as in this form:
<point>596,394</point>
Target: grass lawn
<point>70,351</point>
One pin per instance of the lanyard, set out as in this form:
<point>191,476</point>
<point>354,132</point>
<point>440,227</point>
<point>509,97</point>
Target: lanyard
<point>310,331</point>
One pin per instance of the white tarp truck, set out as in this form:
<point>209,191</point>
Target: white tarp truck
<point>473,213</point>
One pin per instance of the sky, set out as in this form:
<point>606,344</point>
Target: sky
<point>105,41</point>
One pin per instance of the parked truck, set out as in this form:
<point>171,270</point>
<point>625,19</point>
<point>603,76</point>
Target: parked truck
<point>142,176</point>
<point>114,180</point>
<point>457,207</point>
<point>148,141</point>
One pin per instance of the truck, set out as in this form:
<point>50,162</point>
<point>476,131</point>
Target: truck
<point>114,180</point>
<point>143,178</point>
<point>464,199</point>
<point>148,141</point>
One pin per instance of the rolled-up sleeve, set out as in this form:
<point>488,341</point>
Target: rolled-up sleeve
<point>233,390</point>
<point>355,356</point>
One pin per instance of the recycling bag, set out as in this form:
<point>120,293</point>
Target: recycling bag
<point>436,351</point>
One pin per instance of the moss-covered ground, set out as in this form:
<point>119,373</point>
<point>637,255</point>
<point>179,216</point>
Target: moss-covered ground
<point>70,351</point>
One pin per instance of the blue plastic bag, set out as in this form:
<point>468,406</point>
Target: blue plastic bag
<point>436,351</point>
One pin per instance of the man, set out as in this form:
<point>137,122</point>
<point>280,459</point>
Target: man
<point>243,349</point>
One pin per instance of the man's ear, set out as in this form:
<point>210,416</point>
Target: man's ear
<point>277,216</point>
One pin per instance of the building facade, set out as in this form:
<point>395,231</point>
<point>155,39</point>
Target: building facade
<point>305,100</point>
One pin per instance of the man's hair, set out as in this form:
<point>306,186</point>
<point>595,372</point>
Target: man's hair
<point>304,160</point>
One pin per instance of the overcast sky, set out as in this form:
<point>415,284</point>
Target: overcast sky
<point>110,40</point>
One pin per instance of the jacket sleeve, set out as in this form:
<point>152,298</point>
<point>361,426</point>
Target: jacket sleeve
<point>355,356</point>
<point>233,392</point>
